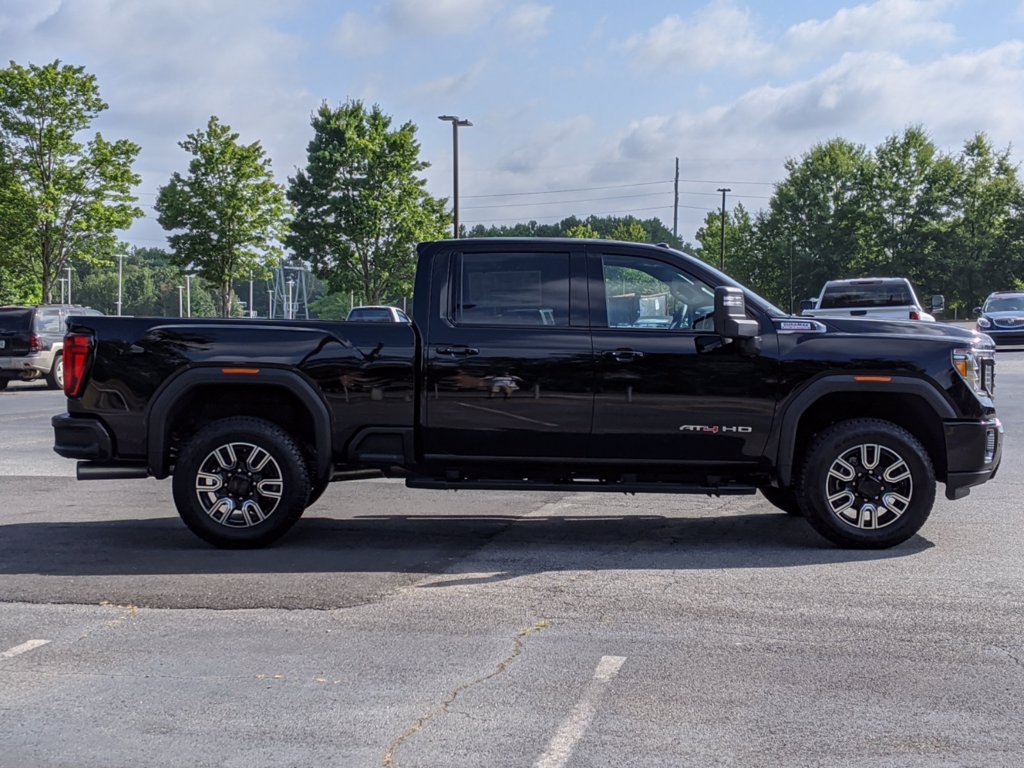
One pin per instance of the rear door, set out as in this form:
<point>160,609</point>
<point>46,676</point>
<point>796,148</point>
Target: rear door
<point>509,368</point>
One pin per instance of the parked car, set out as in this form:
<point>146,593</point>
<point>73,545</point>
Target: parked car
<point>377,314</point>
<point>1002,317</point>
<point>31,341</point>
<point>880,298</point>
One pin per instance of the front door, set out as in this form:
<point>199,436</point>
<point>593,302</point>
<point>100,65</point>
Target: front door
<point>668,388</point>
<point>509,360</point>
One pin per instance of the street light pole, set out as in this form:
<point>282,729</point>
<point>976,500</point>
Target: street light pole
<point>181,306</point>
<point>456,123</point>
<point>62,280</point>
<point>723,190</point>
<point>188,295</point>
<point>69,285</point>
<point>120,273</point>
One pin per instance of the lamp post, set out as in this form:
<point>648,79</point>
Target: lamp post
<point>62,280</point>
<point>723,190</point>
<point>290,311</point>
<point>69,285</point>
<point>270,304</point>
<point>456,123</point>
<point>188,295</point>
<point>120,275</point>
<point>181,303</point>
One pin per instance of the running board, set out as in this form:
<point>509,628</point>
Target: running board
<point>593,486</point>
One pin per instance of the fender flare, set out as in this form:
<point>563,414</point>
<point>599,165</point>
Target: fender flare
<point>795,409</point>
<point>171,392</point>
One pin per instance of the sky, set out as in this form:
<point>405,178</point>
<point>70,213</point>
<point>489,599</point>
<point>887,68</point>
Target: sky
<point>577,106</point>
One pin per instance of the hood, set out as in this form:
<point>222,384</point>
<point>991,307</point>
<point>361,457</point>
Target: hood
<point>906,328</point>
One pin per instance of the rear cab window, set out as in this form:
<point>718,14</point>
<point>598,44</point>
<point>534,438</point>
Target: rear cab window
<point>517,289</point>
<point>881,293</point>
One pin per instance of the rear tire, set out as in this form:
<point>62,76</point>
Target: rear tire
<point>55,378</point>
<point>866,484</point>
<point>4,383</point>
<point>240,483</point>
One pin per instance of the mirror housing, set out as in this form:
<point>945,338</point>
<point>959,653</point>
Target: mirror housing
<point>807,304</point>
<point>731,321</point>
<point>938,303</point>
<point>977,310</point>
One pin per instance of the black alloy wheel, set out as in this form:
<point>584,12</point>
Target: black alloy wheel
<point>866,484</point>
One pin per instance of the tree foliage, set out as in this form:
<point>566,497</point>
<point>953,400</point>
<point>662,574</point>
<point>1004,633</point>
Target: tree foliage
<point>60,199</point>
<point>228,213</point>
<point>360,205</point>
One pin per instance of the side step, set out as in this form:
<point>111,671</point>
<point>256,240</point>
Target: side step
<point>593,486</point>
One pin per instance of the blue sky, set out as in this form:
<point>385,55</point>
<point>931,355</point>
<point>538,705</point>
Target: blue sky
<point>577,107</point>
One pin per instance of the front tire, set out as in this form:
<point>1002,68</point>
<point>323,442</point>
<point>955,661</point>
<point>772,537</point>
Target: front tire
<point>866,484</point>
<point>240,483</point>
<point>55,378</point>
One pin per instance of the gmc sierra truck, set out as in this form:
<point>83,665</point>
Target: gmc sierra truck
<point>537,364</point>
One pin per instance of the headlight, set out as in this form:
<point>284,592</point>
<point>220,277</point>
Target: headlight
<point>984,322</point>
<point>977,367</point>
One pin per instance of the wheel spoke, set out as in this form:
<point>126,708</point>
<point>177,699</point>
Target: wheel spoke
<point>225,456</point>
<point>253,512</point>
<point>207,481</point>
<point>895,503</point>
<point>842,470</point>
<point>897,472</point>
<point>870,455</point>
<point>272,489</point>
<point>258,459</point>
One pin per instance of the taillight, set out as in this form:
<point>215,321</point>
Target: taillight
<point>915,315</point>
<point>33,343</point>
<point>77,349</point>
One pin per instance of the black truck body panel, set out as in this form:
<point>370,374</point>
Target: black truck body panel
<point>538,364</point>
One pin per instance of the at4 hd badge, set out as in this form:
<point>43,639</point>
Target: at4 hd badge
<point>715,429</point>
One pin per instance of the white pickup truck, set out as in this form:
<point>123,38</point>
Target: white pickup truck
<point>882,298</point>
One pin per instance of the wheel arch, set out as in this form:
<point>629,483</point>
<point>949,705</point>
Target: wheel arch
<point>911,403</point>
<point>201,395</point>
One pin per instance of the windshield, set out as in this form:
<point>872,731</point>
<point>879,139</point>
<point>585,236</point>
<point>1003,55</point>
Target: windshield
<point>1005,304</point>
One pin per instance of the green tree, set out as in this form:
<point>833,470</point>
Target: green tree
<point>360,205</point>
<point>60,199</point>
<point>629,230</point>
<point>582,232</point>
<point>227,214</point>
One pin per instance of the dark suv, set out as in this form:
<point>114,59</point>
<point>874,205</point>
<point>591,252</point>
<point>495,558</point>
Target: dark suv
<point>1002,317</point>
<point>31,340</point>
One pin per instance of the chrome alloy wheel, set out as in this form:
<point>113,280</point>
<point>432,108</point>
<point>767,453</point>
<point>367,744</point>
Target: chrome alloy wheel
<point>239,485</point>
<point>869,486</point>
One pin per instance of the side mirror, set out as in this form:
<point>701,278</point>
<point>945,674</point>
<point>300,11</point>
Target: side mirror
<point>977,310</point>
<point>731,321</point>
<point>938,302</point>
<point>807,304</point>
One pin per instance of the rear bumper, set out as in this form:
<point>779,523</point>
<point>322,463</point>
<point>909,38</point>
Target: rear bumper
<point>14,366</point>
<point>83,439</point>
<point>973,452</point>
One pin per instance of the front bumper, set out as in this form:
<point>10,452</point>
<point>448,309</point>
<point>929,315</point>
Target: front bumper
<point>1005,336</point>
<point>973,452</point>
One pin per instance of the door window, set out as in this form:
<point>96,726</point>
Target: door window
<point>525,289</point>
<point>645,294</point>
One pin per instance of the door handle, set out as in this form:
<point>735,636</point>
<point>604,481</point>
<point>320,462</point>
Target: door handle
<point>623,355</point>
<point>458,351</point>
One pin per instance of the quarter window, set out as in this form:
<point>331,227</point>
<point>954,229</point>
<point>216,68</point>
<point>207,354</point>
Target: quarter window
<point>512,289</point>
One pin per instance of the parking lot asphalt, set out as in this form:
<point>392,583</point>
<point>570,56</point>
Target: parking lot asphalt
<point>412,628</point>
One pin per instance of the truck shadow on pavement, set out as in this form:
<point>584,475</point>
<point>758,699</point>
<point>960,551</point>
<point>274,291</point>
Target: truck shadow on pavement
<point>433,545</point>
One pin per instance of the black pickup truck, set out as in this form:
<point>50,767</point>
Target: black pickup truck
<point>540,364</point>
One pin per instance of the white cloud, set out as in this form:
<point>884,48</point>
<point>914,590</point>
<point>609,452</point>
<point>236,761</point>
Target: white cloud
<point>451,86</point>
<point>720,35</point>
<point>356,35</point>
<point>528,22</point>
<point>883,25</point>
<point>440,17</point>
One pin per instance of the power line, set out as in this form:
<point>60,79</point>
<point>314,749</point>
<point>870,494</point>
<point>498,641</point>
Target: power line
<point>579,189</point>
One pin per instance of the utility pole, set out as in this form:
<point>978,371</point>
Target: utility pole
<point>723,190</point>
<point>675,206</point>
<point>251,308</point>
<point>188,295</point>
<point>181,301</point>
<point>69,285</point>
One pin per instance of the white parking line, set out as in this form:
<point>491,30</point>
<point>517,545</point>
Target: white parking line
<point>25,647</point>
<point>575,725</point>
